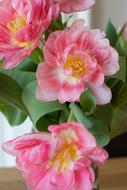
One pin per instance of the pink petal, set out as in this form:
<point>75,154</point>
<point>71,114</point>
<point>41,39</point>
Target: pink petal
<point>97,78</point>
<point>63,179</point>
<point>45,96</point>
<point>81,135</point>
<point>77,24</point>
<point>98,155</point>
<point>15,58</point>
<point>33,27</point>
<point>49,83</point>
<point>47,77</point>
<point>34,176</point>
<point>54,181</point>
<point>84,179</point>
<point>34,156</point>
<point>24,142</point>
<point>102,93</point>
<point>112,65</point>
<point>70,92</point>
<point>74,6</point>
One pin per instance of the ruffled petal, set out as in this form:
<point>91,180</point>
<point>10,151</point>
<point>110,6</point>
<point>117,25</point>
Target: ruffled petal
<point>54,181</point>
<point>63,179</point>
<point>111,66</point>
<point>25,142</point>
<point>34,176</point>
<point>102,93</point>
<point>70,92</point>
<point>74,6</point>
<point>97,155</point>
<point>84,179</point>
<point>76,131</point>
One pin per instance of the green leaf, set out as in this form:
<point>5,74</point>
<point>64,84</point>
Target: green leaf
<point>111,33</point>
<point>46,120</point>
<point>80,115</point>
<point>122,99</point>
<point>10,92</point>
<point>63,116</point>
<point>104,113</point>
<point>14,115</point>
<point>88,102</point>
<point>54,26</point>
<point>1,62</point>
<point>116,92</point>
<point>119,123</point>
<point>67,20</point>
<point>102,139</point>
<point>37,55</point>
<point>121,49</point>
<point>27,65</point>
<point>23,78</point>
<point>38,109</point>
<point>101,132</point>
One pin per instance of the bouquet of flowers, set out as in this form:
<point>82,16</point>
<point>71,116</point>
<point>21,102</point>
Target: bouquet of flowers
<point>72,83</point>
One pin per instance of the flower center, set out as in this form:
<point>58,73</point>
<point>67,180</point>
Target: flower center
<point>15,25</point>
<point>18,23</point>
<point>76,65</point>
<point>64,157</point>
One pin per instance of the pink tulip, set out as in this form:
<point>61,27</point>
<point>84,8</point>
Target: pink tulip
<point>76,59</point>
<point>21,25</point>
<point>69,6</point>
<point>59,160</point>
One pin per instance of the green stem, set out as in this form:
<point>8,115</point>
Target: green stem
<point>37,55</point>
<point>121,31</point>
<point>71,117</point>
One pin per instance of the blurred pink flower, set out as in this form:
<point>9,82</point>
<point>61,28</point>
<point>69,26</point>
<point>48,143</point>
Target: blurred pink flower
<point>76,59</point>
<point>74,5</point>
<point>21,25</point>
<point>58,159</point>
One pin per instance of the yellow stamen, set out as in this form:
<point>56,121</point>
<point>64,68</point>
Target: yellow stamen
<point>76,64</point>
<point>18,23</point>
<point>64,157</point>
<point>15,25</point>
<point>23,44</point>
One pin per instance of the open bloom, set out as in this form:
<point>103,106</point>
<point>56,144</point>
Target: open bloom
<point>74,5</point>
<point>21,24</point>
<point>76,59</point>
<point>59,160</point>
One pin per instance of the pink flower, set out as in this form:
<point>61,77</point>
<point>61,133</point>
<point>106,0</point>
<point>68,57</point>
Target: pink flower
<point>61,158</point>
<point>76,59</point>
<point>21,25</point>
<point>74,5</point>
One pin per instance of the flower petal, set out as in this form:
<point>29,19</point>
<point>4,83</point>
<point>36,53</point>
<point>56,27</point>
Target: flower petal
<point>74,6</point>
<point>84,179</point>
<point>54,181</point>
<point>76,131</point>
<point>24,142</point>
<point>98,155</point>
<point>63,179</point>
<point>70,92</point>
<point>112,65</point>
<point>102,93</point>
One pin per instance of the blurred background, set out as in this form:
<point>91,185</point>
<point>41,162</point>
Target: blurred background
<point>97,17</point>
